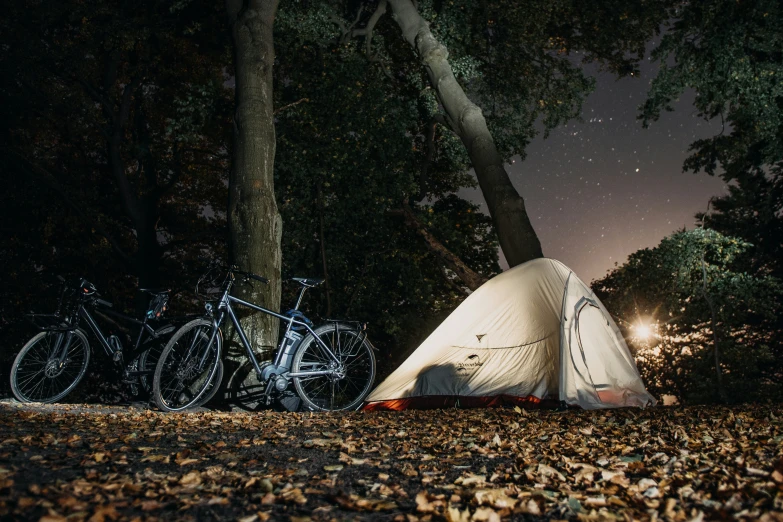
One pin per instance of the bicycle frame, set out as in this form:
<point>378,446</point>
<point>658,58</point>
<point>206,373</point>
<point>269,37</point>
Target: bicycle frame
<point>226,304</point>
<point>83,313</point>
<point>224,308</point>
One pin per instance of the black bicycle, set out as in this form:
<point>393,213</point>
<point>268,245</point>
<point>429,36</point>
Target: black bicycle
<point>331,367</point>
<point>53,362</point>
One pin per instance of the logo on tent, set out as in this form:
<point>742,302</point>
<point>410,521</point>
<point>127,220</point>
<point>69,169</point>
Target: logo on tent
<point>473,362</point>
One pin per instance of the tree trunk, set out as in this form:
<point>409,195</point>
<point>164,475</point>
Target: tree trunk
<point>322,242</point>
<point>715,343</point>
<point>143,212</point>
<point>506,207</point>
<point>254,221</point>
<point>149,253</point>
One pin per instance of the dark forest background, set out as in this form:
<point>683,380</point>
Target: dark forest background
<point>117,141</point>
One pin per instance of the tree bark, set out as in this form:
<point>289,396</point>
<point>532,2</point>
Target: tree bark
<point>254,221</point>
<point>506,207</point>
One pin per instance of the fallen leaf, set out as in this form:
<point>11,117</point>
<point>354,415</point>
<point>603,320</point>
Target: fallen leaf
<point>191,479</point>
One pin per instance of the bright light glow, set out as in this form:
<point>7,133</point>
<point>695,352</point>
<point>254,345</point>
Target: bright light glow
<point>643,331</point>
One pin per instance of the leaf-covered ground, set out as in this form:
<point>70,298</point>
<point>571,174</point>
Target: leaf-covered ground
<point>85,463</point>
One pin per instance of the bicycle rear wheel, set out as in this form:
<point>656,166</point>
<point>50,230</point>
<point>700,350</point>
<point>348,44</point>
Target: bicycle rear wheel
<point>344,390</point>
<point>37,374</point>
<point>180,380</point>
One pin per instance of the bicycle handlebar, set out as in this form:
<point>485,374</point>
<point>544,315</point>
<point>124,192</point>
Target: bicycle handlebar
<point>235,270</point>
<point>101,302</point>
<point>257,277</point>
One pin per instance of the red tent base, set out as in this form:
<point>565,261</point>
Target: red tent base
<point>455,401</point>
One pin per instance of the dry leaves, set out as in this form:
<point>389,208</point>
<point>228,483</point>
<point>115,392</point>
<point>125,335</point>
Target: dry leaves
<point>69,463</point>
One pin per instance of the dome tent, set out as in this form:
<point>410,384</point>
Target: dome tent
<point>531,334</point>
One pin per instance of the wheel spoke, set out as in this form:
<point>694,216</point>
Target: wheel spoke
<point>38,376</point>
<point>178,382</point>
<point>354,369</point>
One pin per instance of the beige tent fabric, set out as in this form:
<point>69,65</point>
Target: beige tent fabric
<point>597,370</point>
<point>507,339</point>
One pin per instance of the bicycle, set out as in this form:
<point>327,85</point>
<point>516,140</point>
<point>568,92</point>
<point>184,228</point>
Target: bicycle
<point>52,363</point>
<point>331,367</point>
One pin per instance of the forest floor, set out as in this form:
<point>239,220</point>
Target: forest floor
<point>82,462</point>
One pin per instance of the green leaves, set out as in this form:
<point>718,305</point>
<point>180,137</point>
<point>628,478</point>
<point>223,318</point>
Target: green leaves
<point>729,53</point>
<point>347,159</point>
<point>673,285</point>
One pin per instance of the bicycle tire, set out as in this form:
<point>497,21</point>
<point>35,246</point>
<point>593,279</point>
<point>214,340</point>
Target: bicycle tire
<point>33,372</point>
<point>178,384</point>
<point>327,393</point>
<point>149,358</point>
<point>215,383</point>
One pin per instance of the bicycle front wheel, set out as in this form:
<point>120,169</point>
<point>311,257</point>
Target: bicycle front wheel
<point>149,358</point>
<point>352,368</point>
<point>214,385</point>
<point>39,374</point>
<point>181,380</point>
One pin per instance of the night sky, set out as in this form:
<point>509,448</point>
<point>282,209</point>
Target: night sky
<point>599,190</point>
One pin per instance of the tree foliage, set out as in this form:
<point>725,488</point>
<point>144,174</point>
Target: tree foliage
<point>347,156</point>
<point>350,152</point>
<point>676,286</point>
<point>118,139</point>
<point>114,142</point>
<point>729,54</point>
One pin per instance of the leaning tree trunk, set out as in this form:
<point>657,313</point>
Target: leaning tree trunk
<point>254,221</point>
<point>506,207</point>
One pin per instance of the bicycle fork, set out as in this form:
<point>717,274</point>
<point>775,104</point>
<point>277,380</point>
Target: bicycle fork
<point>60,352</point>
<point>203,358</point>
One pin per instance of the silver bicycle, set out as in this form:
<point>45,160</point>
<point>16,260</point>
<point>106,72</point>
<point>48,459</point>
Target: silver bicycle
<point>331,367</point>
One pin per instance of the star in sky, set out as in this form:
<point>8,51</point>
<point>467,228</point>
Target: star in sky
<point>598,190</point>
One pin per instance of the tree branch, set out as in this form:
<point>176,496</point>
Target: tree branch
<point>454,286</point>
<point>97,97</point>
<point>125,105</point>
<point>368,29</point>
<point>349,32</point>
<point>348,29</point>
<point>297,102</point>
<point>116,164</point>
<point>472,279</point>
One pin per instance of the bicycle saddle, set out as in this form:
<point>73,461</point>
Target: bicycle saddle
<point>308,281</point>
